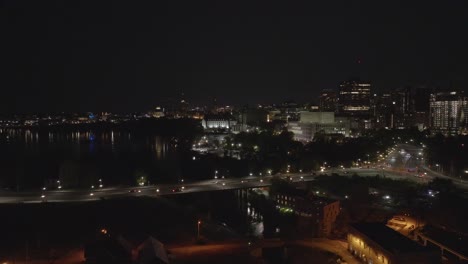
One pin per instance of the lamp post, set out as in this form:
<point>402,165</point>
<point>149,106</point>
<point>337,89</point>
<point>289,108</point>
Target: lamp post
<point>198,229</point>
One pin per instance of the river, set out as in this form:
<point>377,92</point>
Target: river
<point>32,159</point>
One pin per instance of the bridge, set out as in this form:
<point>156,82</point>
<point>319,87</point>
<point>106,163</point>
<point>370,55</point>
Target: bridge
<point>217,184</point>
<point>79,195</point>
<point>445,250</point>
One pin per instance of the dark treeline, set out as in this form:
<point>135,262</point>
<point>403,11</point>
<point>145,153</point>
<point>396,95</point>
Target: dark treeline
<point>450,153</point>
<point>270,151</point>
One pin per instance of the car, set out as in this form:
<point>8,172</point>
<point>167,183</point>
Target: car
<point>132,191</point>
<point>174,190</point>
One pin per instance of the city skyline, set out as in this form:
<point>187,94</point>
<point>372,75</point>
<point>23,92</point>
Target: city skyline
<point>119,57</point>
<point>137,132</point>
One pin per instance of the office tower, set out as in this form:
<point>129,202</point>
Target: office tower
<point>449,112</point>
<point>354,98</point>
<point>327,101</point>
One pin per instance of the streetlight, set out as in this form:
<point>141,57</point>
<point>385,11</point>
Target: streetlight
<point>461,180</point>
<point>198,228</point>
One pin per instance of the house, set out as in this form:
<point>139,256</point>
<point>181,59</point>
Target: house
<point>106,248</point>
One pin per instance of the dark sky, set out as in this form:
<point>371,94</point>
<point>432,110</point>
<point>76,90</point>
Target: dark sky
<point>129,55</point>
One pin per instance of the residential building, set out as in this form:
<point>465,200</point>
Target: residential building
<point>316,215</point>
<point>115,249</point>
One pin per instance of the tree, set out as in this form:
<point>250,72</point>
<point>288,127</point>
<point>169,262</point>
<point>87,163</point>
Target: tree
<point>442,185</point>
<point>279,185</point>
<point>141,177</point>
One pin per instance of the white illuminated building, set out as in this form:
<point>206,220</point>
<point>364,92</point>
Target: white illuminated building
<point>311,123</point>
<point>218,122</point>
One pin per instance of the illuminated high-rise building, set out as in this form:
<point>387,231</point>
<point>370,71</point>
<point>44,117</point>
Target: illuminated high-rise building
<point>354,98</point>
<point>403,108</point>
<point>422,97</point>
<point>449,112</point>
<point>327,101</point>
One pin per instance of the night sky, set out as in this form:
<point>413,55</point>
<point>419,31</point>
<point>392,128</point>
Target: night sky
<point>128,56</point>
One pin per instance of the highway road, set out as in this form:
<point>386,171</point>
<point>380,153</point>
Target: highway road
<point>171,189</point>
<point>393,164</point>
<point>165,189</point>
<point>408,160</point>
<point>156,190</point>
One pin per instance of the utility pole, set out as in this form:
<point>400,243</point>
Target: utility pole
<point>27,251</point>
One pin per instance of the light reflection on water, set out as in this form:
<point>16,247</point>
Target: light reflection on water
<point>27,138</point>
<point>255,221</point>
<point>32,154</point>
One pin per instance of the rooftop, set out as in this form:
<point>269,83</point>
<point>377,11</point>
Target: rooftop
<point>388,239</point>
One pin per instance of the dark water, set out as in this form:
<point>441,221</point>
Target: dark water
<point>31,159</point>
